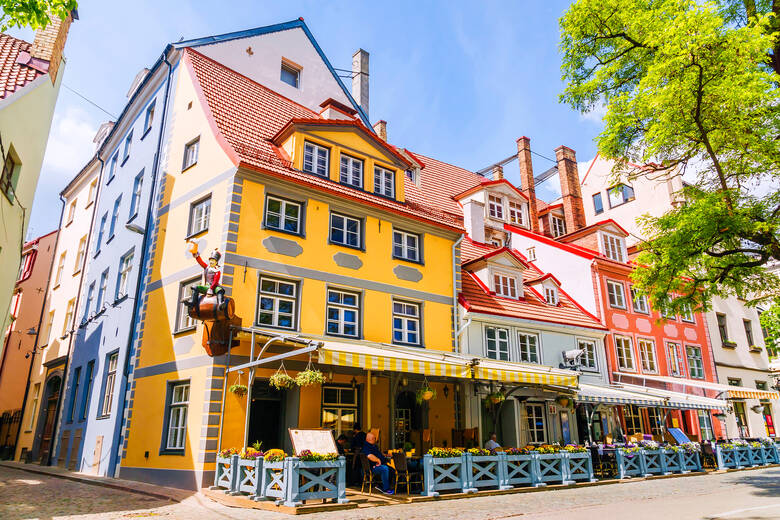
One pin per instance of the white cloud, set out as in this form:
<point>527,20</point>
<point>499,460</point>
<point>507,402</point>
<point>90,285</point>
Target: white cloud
<point>596,115</point>
<point>70,143</point>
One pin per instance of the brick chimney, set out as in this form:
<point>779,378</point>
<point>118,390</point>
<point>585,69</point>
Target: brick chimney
<point>360,79</point>
<point>527,180</point>
<point>498,172</point>
<point>380,127</point>
<point>50,42</point>
<point>570,188</point>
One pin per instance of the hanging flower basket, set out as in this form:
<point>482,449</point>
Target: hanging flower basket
<point>309,377</point>
<point>495,398</point>
<point>239,389</point>
<point>425,393</point>
<point>281,381</point>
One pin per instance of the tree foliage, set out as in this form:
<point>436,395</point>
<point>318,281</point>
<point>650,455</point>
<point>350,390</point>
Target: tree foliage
<point>690,88</point>
<point>770,324</point>
<point>33,13</point>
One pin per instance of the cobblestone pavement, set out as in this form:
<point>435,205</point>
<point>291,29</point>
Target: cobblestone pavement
<point>743,495</point>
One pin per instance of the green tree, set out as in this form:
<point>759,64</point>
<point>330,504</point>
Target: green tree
<point>770,325</point>
<point>32,13</point>
<point>689,87</point>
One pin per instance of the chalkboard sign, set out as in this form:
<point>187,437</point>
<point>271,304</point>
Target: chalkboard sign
<point>678,435</point>
<point>317,441</point>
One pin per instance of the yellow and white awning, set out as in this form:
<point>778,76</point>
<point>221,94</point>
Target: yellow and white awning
<point>679,400</point>
<point>437,363</point>
<point>732,392</point>
<point>748,393</point>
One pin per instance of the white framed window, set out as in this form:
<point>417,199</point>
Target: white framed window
<point>406,323</point>
<point>528,345</point>
<point>283,215</point>
<point>495,207</point>
<point>277,303</point>
<point>695,362</point>
<point>80,252</point>
<point>68,316</point>
<point>340,410</point>
<point>530,253</point>
<point>149,118</point>
<point>516,213</point>
<point>676,363</point>
<point>71,211</point>
<point>101,231</point>
<point>616,295</point>
<point>114,217</point>
<point>92,192</point>
<point>290,74</point>
<point>505,285</point>
<point>686,313</point>
<point>101,296</point>
<point>135,201</point>
<point>74,393</point>
<point>633,419</point>
<point>315,159</point>
<point>183,320</point>
<point>108,386</point>
<point>588,357</point>
<point>384,182</point>
<point>551,295</point>
<point>88,301</point>
<point>351,172</point>
<point>558,226</point>
<point>345,230</point>
<point>60,268</point>
<point>34,408</point>
<point>112,167</point>
<point>128,143</point>
<point>177,416</point>
<point>536,421</point>
<point>343,313</point>
<point>200,213</point>
<point>614,247</point>
<point>191,153</point>
<point>406,245</point>
<point>639,302</point>
<point>497,343</point>
<point>598,205</point>
<point>620,194</point>
<point>647,355</point>
<point>705,425</point>
<point>46,333</point>
<point>123,278</point>
<point>625,352</point>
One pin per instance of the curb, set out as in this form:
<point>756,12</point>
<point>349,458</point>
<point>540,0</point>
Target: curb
<point>174,495</point>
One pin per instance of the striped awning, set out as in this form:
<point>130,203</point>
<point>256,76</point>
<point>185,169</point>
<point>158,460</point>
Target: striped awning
<point>436,363</point>
<point>679,400</point>
<point>747,393</point>
<point>608,395</point>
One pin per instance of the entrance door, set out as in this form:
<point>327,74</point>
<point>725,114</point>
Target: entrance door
<point>53,389</point>
<point>266,416</point>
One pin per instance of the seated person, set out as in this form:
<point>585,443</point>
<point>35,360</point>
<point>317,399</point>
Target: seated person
<point>492,444</point>
<point>342,443</point>
<point>358,438</point>
<point>379,463</point>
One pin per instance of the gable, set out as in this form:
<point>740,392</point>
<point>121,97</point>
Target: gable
<point>350,139</point>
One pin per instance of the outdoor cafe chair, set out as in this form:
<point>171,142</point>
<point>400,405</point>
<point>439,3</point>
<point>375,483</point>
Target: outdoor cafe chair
<point>402,474</point>
<point>708,456</point>
<point>368,475</point>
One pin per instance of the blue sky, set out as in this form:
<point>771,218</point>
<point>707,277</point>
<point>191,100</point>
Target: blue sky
<point>458,81</point>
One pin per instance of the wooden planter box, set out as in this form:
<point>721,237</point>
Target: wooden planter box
<point>482,471</point>
<point>579,467</point>
<point>552,467</point>
<point>691,461</point>
<point>520,470</point>
<point>444,474</point>
<point>772,455</point>
<point>629,464</point>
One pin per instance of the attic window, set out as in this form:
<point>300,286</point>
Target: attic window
<point>290,74</point>
<point>551,295</point>
<point>516,214</point>
<point>614,247</point>
<point>495,207</point>
<point>505,285</point>
<point>531,254</point>
<point>558,226</point>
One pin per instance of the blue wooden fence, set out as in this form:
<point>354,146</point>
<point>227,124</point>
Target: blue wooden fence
<point>289,482</point>
<point>738,458</point>
<point>656,462</point>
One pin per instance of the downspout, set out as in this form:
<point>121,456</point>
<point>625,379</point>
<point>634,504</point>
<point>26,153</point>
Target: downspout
<point>455,269</point>
<point>114,458</point>
<point>37,334</point>
<point>64,386</point>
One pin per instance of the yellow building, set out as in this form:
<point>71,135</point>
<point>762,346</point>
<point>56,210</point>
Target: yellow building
<point>322,254</point>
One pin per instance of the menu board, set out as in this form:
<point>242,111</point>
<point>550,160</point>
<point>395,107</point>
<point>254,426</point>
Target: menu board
<point>317,441</point>
<point>678,435</point>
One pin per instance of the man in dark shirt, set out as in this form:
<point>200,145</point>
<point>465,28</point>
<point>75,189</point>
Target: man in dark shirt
<point>358,438</point>
<point>341,444</point>
<point>378,462</point>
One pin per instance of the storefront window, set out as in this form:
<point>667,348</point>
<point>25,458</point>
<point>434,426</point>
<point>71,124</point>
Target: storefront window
<point>633,419</point>
<point>739,413</point>
<point>655,417</point>
<point>339,408</point>
<point>537,431</point>
<point>769,421</point>
<point>705,426</point>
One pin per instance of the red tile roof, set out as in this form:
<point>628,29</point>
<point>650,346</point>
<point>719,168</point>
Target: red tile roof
<point>246,117</point>
<point>439,182</point>
<point>13,74</point>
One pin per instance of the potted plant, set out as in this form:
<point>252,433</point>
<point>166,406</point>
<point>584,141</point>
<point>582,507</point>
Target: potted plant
<point>281,380</point>
<point>238,389</point>
<point>495,398</point>
<point>309,377</point>
<point>425,393</point>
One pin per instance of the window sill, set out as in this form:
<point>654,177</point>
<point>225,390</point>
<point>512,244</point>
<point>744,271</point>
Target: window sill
<point>89,204</point>
<point>146,132</point>
<point>266,326</point>
<point>120,299</point>
<point>196,234</point>
<point>76,272</point>
<point>56,286</point>
<point>342,336</point>
<point>414,345</point>
<point>356,248</point>
<point>755,349</point>
<point>188,167</point>
<point>286,232</point>
<point>124,161</point>
<point>729,344</point>
<point>132,218</point>
<point>182,332</point>
<point>617,308</point>
<point>402,259</point>
<point>110,179</point>
<point>171,452</point>
<point>68,223</point>
<point>102,417</point>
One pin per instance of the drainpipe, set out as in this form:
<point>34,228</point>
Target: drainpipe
<point>113,460</point>
<point>73,333</point>
<point>37,334</point>
<point>455,268</point>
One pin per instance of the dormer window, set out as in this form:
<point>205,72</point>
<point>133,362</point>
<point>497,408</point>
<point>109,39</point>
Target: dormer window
<point>351,171</point>
<point>315,159</point>
<point>384,182</point>
<point>495,207</point>
<point>551,295</point>
<point>558,226</point>
<point>505,285</point>
<point>516,214</point>
<point>614,247</point>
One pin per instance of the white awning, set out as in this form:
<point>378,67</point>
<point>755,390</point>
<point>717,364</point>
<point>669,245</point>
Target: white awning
<point>679,400</point>
<point>610,395</point>
<point>734,392</point>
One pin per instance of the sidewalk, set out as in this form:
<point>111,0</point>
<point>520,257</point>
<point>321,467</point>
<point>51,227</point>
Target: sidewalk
<point>131,486</point>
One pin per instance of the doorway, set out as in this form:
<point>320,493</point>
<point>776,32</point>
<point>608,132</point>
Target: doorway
<point>266,416</point>
<point>50,416</point>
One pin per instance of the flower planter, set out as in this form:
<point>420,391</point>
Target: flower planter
<point>629,464</point>
<point>481,471</point>
<point>756,456</point>
<point>655,462</point>
<point>673,461</point>
<point>224,473</point>
<point>518,470</point>
<point>552,467</point>
<point>772,455</point>
<point>579,467</point>
<point>443,473</point>
<point>249,477</point>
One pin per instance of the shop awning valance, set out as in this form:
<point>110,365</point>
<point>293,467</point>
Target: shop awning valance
<point>435,363</point>
<point>608,395</point>
<point>679,400</point>
<point>733,392</point>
